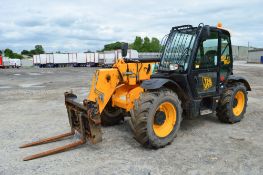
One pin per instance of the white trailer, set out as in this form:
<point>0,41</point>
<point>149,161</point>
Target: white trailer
<point>66,59</point>
<point>15,63</point>
<point>49,60</point>
<point>132,54</point>
<point>72,59</point>
<point>89,57</point>
<point>93,58</point>
<point>96,58</point>
<point>6,62</point>
<point>60,59</point>
<point>118,53</point>
<point>101,58</point>
<point>36,60</point>
<point>82,59</point>
<point>43,60</point>
<point>110,58</point>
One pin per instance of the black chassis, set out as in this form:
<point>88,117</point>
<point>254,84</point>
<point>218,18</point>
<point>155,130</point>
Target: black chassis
<point>183,83</point>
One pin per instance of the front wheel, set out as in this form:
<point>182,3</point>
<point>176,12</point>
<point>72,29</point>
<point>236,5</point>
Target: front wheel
<point>157,117</point>
<point>233,103</point>
<point>111,115</point>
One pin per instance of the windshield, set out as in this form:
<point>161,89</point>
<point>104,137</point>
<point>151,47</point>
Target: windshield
<point>178,49</point>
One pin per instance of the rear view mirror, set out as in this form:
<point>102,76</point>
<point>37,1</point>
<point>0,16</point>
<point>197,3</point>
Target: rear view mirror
<point>124,49</point>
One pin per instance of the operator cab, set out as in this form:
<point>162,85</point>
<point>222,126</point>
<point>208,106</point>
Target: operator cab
<point>202,55</point>
<point>196,62</point>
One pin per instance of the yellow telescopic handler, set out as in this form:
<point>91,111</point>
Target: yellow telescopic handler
<point>193,77</point>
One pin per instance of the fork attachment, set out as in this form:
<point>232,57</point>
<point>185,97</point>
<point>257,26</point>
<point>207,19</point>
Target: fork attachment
<point>83,119</point>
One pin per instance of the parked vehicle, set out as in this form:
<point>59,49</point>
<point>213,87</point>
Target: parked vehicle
<point>15,63</point>
<point>36,60</point>
<point>105,59</point>
<point>72,59</point>
<point>110,57</point>
<point>101,58</point>
<point>6,62</point>
<point>92,59</point>
<point>1,62</point>
<point>43,60</point>
<point>82,60</point>
<point>49,60</point>
<point>65,59</point>
<point>60,59</point>
<point>186,85</point>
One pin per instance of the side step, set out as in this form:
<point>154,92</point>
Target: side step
<point>206,111</point>
<point>83,118</point>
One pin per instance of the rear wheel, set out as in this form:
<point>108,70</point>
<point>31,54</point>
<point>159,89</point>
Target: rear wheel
<point>111,116</point>
<point>233,103</point>
<point>156,118</point>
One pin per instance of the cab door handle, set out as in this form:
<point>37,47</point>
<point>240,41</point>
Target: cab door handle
<point>196,80</point>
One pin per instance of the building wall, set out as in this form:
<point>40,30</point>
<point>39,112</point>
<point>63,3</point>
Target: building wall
<point>26,62</point>
<point>254,56</point>
<point>240,52</point>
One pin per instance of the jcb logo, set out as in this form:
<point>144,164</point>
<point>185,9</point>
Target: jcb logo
<point>207,82</point>
<point>225,59</point>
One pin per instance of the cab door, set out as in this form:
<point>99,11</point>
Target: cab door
<point>226,58</point>
<point>204,71</point>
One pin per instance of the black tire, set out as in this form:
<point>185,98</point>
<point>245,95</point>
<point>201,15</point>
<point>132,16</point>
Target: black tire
<point>227,102</point>
<point>143,116</point>
<point>111,116</point>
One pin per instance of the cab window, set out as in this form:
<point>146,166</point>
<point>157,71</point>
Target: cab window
<point>225,59</point>
<point>207,53</point>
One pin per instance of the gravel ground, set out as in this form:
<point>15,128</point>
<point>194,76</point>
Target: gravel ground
<point>32,107</point>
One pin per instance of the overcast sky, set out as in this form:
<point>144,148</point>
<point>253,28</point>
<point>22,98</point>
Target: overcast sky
<point>79,25</point>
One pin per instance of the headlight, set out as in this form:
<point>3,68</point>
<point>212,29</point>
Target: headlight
<point>174,66</point>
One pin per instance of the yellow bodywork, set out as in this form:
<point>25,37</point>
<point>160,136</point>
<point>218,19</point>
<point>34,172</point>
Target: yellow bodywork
<point>120,84</point>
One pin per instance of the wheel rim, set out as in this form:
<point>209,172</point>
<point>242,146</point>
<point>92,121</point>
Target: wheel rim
<point>165,127</point>
<point>239,103</point>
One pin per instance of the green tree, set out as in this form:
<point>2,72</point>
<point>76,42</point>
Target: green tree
<point>112,46</point>
<point>155,45</point>
<point>137,45</point>
<point>25,52</point>
<point>16,55</point>
<point>146,46</point>
<point>1,52</point>
<point>33,52</point>
<point>8,53</point>
<point>39,49</point>
<point>88,51</point>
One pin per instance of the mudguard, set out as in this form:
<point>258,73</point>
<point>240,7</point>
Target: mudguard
<point>233,78</point>
<point>155,83</point>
